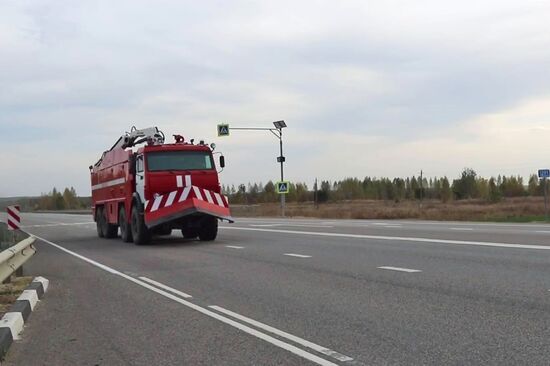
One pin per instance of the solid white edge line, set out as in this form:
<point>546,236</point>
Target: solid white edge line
<point>167,288</point>
<point>297,255</point>
<point>234,247</point>
<point>280,333</point>
<point>288,347</point>
<point>395,238</point>
<point>408,270</point>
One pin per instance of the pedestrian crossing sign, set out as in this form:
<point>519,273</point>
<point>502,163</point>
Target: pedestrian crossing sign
<point>283,187</point>
<point>223,130</point>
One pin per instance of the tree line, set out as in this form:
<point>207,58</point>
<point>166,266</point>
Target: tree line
<point>468,186</point>
<point>55,200</point>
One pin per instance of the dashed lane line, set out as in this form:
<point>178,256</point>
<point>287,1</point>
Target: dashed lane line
<point>280,333</point>
<point>399,269</point>
<point>394,238</point>
<point>246,329</point>
<point>297,255</point>
<point>167,288</point>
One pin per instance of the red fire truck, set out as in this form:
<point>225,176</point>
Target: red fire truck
<point>146,187</point>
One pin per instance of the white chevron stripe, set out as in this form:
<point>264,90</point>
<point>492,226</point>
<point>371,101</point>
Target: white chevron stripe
<point>208,196</point>
<point>187,180</point>
<point>179,181</point>
<point>198,193</point>
<point>171,198</point>
<point>156,203</point>
<point>219,199</point>
<point>184,194</point>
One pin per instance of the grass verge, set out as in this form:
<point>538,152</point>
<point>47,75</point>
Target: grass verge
<point>521,209</point>
<point>9,292</point>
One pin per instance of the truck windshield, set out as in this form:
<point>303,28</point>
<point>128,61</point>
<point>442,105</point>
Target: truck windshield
<point>179,160</point>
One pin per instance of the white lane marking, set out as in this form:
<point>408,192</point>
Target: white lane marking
<point>408,270</point>
<point>188,181</point>
<point>542,232</point>
<point>394,238</point>
<point>297,255</point>
<point>264,225</point>
<point>307,225</point>
<point>461,228</point>
<point>293,349</point>
<point>179,181</point>
<point>280,333</point>
<point>167,288</point>
<point>171,198</point>
<point>234,247</point>
<point>59,224</point>
<point>393,226</point>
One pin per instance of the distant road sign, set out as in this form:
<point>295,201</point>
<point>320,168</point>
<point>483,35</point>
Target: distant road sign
<point>544,173</point>
<point>223,130</point>
<point>283,187</point>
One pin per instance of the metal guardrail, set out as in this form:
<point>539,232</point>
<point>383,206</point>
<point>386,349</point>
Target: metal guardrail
<point>14,257</point>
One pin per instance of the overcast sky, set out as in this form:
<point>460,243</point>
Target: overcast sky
<point>377,88</point>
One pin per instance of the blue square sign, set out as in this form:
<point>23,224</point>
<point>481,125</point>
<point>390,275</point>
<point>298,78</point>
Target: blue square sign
<point>544,173</point>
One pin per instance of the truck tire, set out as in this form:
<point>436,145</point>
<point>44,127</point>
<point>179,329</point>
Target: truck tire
<point>209,229</point>
<point>140,233</point>
<point>109,230</point>
<point>189,233</point>
<point>125,230</point>
<point>99,217</point>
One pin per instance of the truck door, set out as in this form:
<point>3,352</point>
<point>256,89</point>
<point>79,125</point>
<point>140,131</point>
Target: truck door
<point>140,177</point>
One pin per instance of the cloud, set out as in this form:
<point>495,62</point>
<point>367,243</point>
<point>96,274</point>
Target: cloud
<point>367,88</point>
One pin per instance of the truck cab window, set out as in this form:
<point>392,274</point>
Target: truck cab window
<point>179,160</point>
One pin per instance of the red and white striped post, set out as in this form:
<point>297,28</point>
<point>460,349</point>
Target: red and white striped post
<point>14,219</point>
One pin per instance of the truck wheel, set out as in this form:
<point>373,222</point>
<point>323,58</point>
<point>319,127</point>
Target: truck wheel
<point>109,230</point>
<point>209,229</point>
<point>125,230</point>
<point>99,221</point>
<point>140,233</point>
<point>189,233</point>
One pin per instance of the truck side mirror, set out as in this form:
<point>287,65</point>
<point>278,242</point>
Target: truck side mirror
<point>222,161</point>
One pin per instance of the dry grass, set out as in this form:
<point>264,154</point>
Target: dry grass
<point>9,292</point>
<point>512,209</point>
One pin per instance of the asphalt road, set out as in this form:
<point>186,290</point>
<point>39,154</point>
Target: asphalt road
<point>292,292</point>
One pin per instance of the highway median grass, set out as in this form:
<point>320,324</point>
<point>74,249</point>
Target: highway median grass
<point>522,209</point>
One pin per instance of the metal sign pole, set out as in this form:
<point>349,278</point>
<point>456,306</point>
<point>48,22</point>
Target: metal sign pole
<point>546,197</point>
<point>283,198</point>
